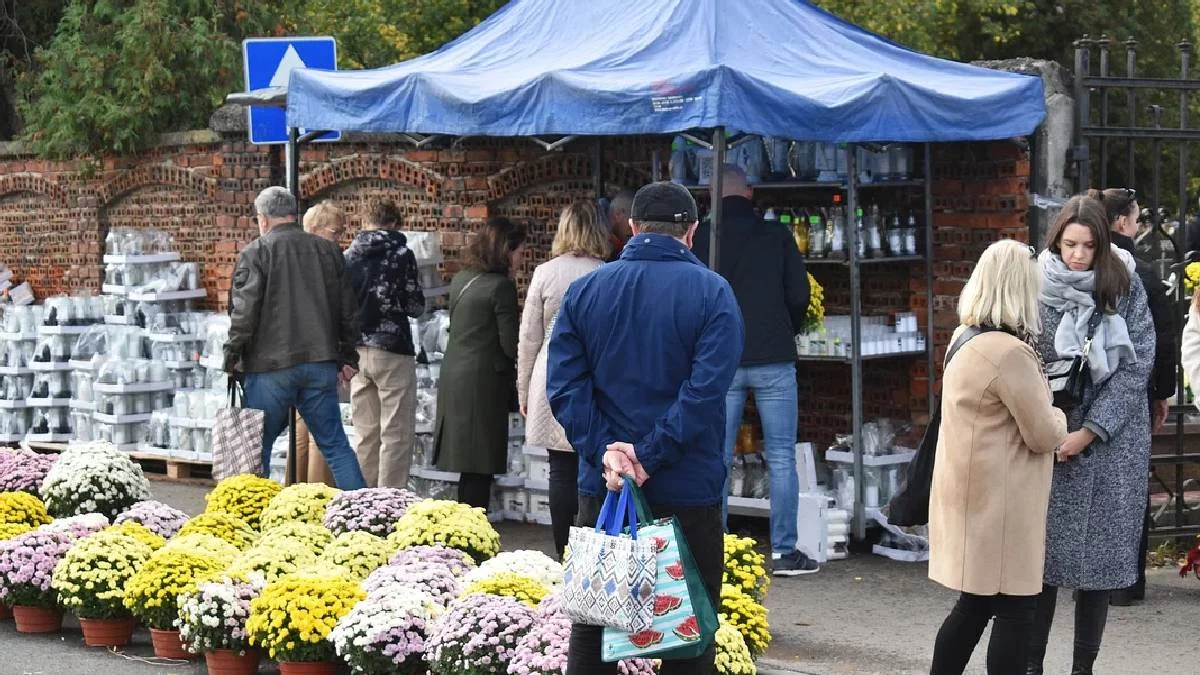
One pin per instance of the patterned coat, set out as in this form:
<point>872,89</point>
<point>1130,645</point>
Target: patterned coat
<point>383,272</point>
<point>1098,501</point>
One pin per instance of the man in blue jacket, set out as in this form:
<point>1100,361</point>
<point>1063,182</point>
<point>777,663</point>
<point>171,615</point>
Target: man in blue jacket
<point>641,356</point>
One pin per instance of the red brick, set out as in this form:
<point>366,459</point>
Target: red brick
<point>477,212</point>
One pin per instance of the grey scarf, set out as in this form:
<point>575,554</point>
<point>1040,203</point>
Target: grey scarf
<point>1072,294</point>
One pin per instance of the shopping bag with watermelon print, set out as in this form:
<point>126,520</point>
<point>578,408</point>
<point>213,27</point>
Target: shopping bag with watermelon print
<point>608,575</point>
<point>685,621</point>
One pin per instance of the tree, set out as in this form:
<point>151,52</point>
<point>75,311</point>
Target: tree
<point>25,25</point>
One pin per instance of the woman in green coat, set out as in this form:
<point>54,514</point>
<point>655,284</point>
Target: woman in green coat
<point>477,388</point>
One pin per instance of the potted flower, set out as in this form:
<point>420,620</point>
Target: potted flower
<point>94,478</point>
<point>373,510</point>
<point>273,561</point>
<point>733,656</point>
<point>77,526</point>
<point>25,472</point>
<point>744,567</point>
<point>245,496</point>
<point>450,524</point>
<point>203,544</point>
<point>294,616</point>
<point>457,562</point>
<point>223,526</point>
<point>153,594</point>
<point>358,553</point>
<point>139,532</point>
<point>430,578</point>
<point>313,536</point>
<point>533,565</point>
<point>543,650</point>
<point>212,621</point>
<point>746,615</point>
<point>303,502</point>
<point>159,518</point>
<point>91,580</point>
<point>478,635</point>
<point>27,564</point>
<point>22,509</point>
<point>386,635</point>
<point>508,585</point>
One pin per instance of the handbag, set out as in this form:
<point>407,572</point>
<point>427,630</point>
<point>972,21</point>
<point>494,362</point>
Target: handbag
<point>685,620</point>
<point>237,438</point>
<point>608,576</point>
<point>910,506</point>
<point>1069,377</point>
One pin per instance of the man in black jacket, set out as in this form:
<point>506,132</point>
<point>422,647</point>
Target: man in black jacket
<point>762,264</point>
<point>383,395</point>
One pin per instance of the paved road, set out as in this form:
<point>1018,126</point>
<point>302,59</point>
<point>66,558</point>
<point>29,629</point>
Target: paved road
<point>866,615</point>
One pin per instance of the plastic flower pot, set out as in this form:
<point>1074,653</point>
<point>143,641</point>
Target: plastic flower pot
<point>167,644</point>
<point>230,662</point>
<point>107,632</point>
<point>37,619</point>
<point>307,668</point>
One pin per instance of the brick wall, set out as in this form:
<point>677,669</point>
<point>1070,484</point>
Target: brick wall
<point>200,186</point>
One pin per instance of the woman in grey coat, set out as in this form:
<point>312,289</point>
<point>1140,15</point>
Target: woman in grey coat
<point>1099,489</point>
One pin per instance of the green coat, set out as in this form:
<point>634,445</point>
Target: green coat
<point>477,388</point>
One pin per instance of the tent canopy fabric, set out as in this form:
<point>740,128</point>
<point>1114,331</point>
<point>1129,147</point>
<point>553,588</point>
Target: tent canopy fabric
<point>613,67</point>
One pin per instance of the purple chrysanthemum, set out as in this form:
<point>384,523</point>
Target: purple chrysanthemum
<point>159,518</point>
<point>374,510</point>
<point>456,561</point>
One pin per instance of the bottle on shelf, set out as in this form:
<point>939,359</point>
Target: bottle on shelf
<point>816,234</point>
<point>860,241</point>
<point>910,235</point>
<point>795,221</point>
<point>895,235</point>
<point>836,226</point>
<point>874,235</point>
<point>770,216</point>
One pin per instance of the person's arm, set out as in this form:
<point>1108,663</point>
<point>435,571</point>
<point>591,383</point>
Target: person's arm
<point>795,284</point>
<point>714,362</point>
<point>1125,387</point>
<point>571,390</point>
<point>532,334</point>
<point>1162,311</point>
<point>508,319</point>
<point>414,295</point>
<point>245,304</point>
<point>1022,389</point>
<point>348,331</point>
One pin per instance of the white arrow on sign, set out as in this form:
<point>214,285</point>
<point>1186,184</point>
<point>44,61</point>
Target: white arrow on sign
<point>291,61</point>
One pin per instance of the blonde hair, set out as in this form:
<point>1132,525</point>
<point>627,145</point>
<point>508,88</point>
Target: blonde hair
<point>581,233</point>
<point>1003,289</point>
<point>324,218</point>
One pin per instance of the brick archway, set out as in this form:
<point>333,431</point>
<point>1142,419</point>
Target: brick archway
<point>32,182</point>
<point>321,180</point>
<point>156,174</point>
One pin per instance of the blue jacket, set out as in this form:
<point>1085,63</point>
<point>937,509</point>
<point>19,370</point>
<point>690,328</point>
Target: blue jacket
<point>643,351</point>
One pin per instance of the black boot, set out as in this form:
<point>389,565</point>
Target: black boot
<point>1081,662</point>
<point>1042,618</point>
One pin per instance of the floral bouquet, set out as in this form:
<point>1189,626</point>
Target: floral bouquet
<point>91,577</point>
<point>273,561</point>
<point>203,544</point>
<point>430,578</point>
<point>814,318</point>
<point>313,537</point>
<point>245,496</point>
<point>459,563</point>
<point>159,518</point>
<point>294,616</point>
<point>214,615</point>
<point>543,651</point>
<point>77,526</point>
<point>139,532</point>
<point>374,510</point>
<point>153,592</point>
<point>509,585</point>
<point>450,524</point>
<point>303,502</point>
<point>533,565</point>
<point>27,564</point>
<point>744,567</point>
<point>386,635</point>
<point>222,526</point>
<point>478,636</point>
<point>358,553</point>
<point>749,617</point>
<point>25,472</point>
<point>22,508</point>
<point>94,478</point>
<point>733,656</point>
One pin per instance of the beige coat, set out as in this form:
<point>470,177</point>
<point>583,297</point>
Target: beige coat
<point>546,290</point>
<point>1190,350</point>
<point>991,480</point>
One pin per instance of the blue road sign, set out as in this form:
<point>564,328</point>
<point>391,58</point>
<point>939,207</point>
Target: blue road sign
<point>267,62</point>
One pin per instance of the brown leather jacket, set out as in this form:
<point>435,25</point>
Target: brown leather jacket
<point>291,303</point>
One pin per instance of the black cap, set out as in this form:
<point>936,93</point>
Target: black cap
<point>663,202</point>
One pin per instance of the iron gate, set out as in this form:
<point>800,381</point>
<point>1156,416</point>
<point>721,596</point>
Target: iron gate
<point>1116,118</point>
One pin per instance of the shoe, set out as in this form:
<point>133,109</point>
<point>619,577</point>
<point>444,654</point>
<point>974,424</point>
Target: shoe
<point>794,564</point>
<point>1122,598</point>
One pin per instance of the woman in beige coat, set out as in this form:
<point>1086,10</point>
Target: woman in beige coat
<point>991,479</point>
<point>580,246</point>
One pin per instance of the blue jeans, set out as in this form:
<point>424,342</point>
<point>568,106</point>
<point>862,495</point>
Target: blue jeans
<point>312,389</point>
<point>774,387</point>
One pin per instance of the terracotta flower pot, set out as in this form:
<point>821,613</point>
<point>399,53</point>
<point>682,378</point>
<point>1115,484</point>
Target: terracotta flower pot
<point>37,619</point>
<point>5,612</point>
<point>229,662</point>
<point>167,644</point>
<point>307,668</point>
<point>107,632</point>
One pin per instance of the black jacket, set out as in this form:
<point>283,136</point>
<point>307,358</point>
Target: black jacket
<point>1166,351</point>
<point>765,269</point>
<point>383,272</point>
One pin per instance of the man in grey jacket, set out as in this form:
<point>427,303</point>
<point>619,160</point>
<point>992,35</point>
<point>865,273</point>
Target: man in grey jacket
<point>293,332</point>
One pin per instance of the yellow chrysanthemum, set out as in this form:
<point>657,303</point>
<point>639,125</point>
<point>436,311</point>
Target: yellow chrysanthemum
<point>139,532</point>
<point>733,656</point>
<point>358,553</point>
<point>815,315</point>
<point>245,496</point>
<point>303,502</point>
<point>204,544</point>
<point>92,577</point>
<point>22,508</point>
<point>224,526</point>
<point>748,616</point>
<point>294,616</point>
<point>450,524</point>
<point>509,585</point>
<point>152,594</point>
<point>745,567</point>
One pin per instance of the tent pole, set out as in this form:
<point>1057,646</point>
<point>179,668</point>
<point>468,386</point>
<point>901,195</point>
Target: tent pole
<point>655,171</point>
<point>292,164</point>
<point>714,201</point>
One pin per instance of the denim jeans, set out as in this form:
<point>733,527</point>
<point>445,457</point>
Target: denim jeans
<point>774,387</point>
<point>312,389</point>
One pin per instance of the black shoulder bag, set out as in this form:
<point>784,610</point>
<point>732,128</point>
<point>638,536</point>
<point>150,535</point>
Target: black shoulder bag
<point>1068,377</point>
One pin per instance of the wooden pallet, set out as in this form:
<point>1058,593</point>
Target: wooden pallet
<point>169,467</point>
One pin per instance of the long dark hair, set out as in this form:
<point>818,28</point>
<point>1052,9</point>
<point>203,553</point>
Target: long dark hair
<point>1112,277</point>
<point>491,248</point>
<point>1117,202</point>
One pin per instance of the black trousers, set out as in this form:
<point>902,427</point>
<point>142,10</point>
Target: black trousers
<point>475,489</point>
<point>564,496</point>
<point>1009,645</point>
<point>1091,615</point>
<point>702,528</point>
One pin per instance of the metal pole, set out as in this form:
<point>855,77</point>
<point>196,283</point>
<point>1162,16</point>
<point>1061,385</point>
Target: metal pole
<point>929,346</point>
<point>598,167</point>
<point>655,168</point>
<point>1185,58</point>
<point>1082,56</point>
<point>1105,42</point>
<point>292,177</point>
<point>715,215</point>
<point>1131,106</point>
<point>856,365</point>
